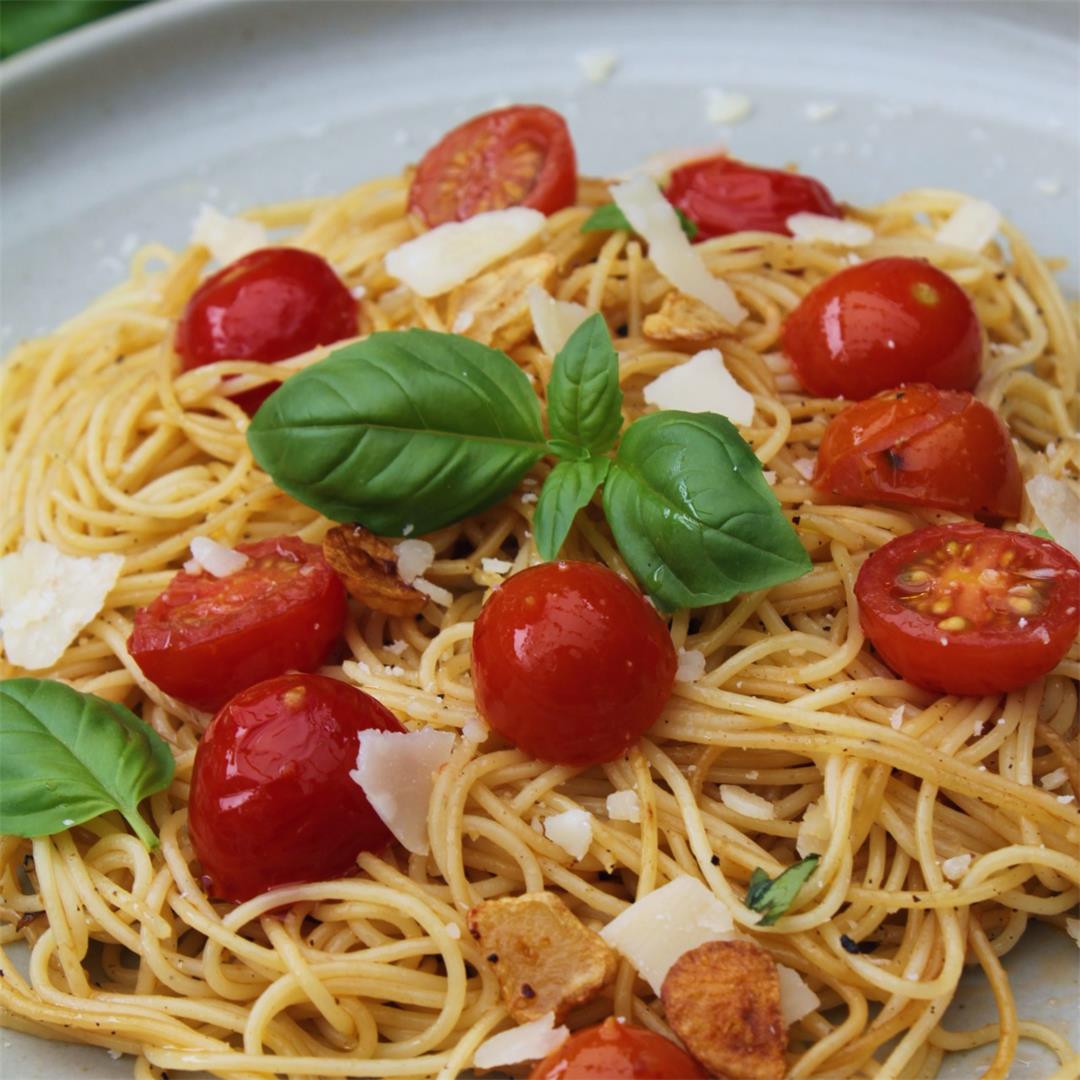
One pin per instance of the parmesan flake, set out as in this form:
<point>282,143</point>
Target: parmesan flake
<point>624,806</point>
<point>829,230</point>
<point>526,1042</point>
<point>971,225</point>
<point>702,384</point>
<point>227,238</point>
<point>414,557</point>
<point>215,558</point>
<point>553,320</point>
<point>814,830</point>
<point>496,566</point>
<point>571,830</point>
<point>956,867</point>
<point>691,665</point>
<point>796,998</point>
<point>1058,507</point>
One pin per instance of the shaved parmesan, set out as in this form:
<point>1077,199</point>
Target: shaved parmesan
<point>442,597</point>
<point>526,1042</point>
<point>725,107</point>
<point>814,830</point>
<point>553,320</point>
<point>796,998</point>
<point>395,770</point>
<point>215,558</point>
<point>1058,508</point>
<point>624,806</point>
<point>654,218</point>
<point>956,867</point>
<point>829,230</point>
<point>740,801</point>
<point>496,566</point>
<point>450,254</point>
<point>691,665</point>
<point>47,597</point>
<point>702,384</point>
<point>597,65</point>
<point>571,830</point>
<point>1053,780</point>
<point>226,238</point>
<point>971,225</point>
<point>414,557</point>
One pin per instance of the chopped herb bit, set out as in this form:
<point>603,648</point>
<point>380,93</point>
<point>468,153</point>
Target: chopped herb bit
<point>773,897</point>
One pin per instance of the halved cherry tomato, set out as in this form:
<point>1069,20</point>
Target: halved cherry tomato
<point>205,638</point>
<point>722,195</point>
<point>570,663</point>
<point>518,156</point>
<point>614,1050</point>
<point>921,446</point>
<point>965,609</point>
<point>272,802</point>
<point>882,323</point>
<point>267,306</point>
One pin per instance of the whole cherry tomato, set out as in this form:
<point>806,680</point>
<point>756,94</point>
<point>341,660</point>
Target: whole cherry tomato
<point>921,446</point>
<point>722,195</point>
<point>570,663</point>
<point>272,802</point>
<point>267,306</point>
<point>882,323</point>
<point>518,156</point>
<point>614,1050</point>
<point>205,638</point>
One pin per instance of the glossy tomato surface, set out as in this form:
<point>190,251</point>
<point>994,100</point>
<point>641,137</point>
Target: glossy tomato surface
<point>267,306</point>
<point>966,609</point>
<point>570,663</point>
<point>272,802</point>
<point>921,446</point>
<point>518,156</point>
<point>206,638</point>
<point>722,195</point>
<point>882,323</point>
<point>614,1050</point>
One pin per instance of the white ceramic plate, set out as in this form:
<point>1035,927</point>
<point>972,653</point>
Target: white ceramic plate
<point>117,134</point>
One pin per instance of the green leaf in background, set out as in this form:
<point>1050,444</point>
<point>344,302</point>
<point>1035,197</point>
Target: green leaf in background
<point>773,897</point>
<point>67,757</point>
<point>569,487</point>
<point>609,217</point>
<point>692,513</point>
<point>24,23</point>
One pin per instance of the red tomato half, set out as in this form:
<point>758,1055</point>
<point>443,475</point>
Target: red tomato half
<point>520,156</point>
<point>272,802</point>
<point>880,324</point>
<point>617,1051</point>
<point>267,306</point>
<point>570,663</point>
<point>205,638</point>
<point>964,609</point>
<point>722,195</point>
<point>924,447</point>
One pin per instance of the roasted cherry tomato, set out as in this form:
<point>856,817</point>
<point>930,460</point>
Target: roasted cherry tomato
<point>965,609</point>
<point>617,1051</point>
<point>205,638</point>
<point>272,802</point>
<point>925,447</point>
<point>267,306</point>
<point>520,156</point>
<point>722,195</point>
<point>882,323</point>
<point>570,663</point>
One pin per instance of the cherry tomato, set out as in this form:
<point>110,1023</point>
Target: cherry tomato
<point>882,323</point>
<point>267,306</point>
<point>272,802</point>
<point>519,156</point>
<point>570,663</point>
<point>965,609</point>
<point>614,1050</point>
<point>722,195</point>
<point>925,447</point>
<point>205,638</point>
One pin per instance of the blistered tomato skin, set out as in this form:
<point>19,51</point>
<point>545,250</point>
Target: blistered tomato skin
<point>269,305</point>
<point>272,802</point>
<point>570,663</point>
<point>966,609</point>
<point>614,1050</point>
<point>882,323</point>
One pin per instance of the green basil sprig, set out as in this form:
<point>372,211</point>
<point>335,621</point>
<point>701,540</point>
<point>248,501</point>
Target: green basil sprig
<point>609,217</point>
<point>774,896</point>
<point>67,757</point>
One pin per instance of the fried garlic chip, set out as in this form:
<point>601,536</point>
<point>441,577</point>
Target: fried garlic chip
<point>367,566</point>
<point>723,1000</point>
<point>494,306</point>
<point>682,318</point>
<point>545,958</point>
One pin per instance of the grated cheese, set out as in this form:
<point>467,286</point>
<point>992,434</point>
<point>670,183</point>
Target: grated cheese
<point>971,225</point>
<point>726,107</point>
<point>571,830</point>
<point>496,566</point>
<point>829,230</point>
<point>691,665</point>
<point>804,467</point>
<point>740,801</point>
<point>702,384</point>
<point>956,867</point>
<point>215,558</point>
<point>526,1042</point>
<point>1058,508</point>
<point>227,238</point>
<point>624,806</point>
<point>414,557</point>
<point>553,320</point>
<point>1053,780</point>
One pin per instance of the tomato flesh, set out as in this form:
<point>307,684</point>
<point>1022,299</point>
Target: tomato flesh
<point>267,306</point>
<point>921,446</point>
<point>570,663</point>
<point>518,156</point>
<point>272,802</point>
<point>882,323</point>
<point>721,196</point>
<point>615,1050</point>
<point>206,638</point>
<point>966,609</point>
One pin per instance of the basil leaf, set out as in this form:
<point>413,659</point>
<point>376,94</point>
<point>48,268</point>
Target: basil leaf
<point>66,757</point>
<point>584,399</point>
<point>773,897</point>
<point>692,514</point>
<point>404,432</point>
<point>609,217</point>
<point>1043,533</point>
<point>568,488</point>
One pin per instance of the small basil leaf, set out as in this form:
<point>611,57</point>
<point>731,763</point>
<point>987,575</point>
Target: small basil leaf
<point>692,514</point>
<point>568,488</point>
<point>1043,533</point>
<point>609,217</point>
<point>773,897</point>
<point>66,757</point>
<point>584,399</point>
<point>404,432</point>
